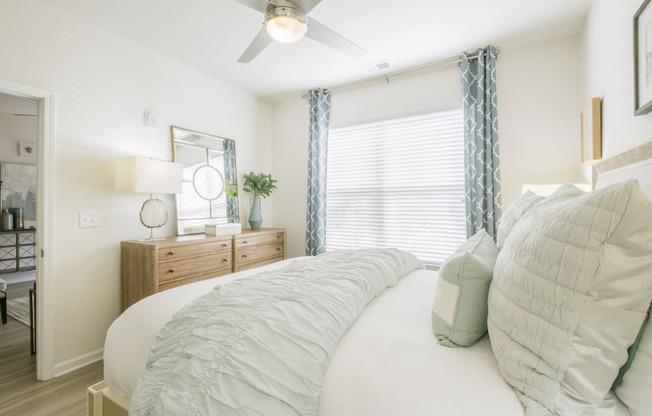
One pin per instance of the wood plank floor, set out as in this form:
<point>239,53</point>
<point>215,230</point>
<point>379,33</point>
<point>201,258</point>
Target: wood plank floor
<point>20,393</point>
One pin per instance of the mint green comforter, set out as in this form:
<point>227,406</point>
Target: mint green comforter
<point>261,345</point>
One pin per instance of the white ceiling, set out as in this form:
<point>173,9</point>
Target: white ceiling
<point>210,35</point>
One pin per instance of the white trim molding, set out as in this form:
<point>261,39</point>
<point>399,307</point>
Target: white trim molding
<point>78,362</point>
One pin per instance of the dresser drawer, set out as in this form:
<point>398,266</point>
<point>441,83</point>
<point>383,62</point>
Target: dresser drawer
<point>179,252</point>
<point>8,265</point>
<point>254,254</point>
<point>178,269</point>
<point>252,240</point>
<point>260,263</point>
<point>184,281</point>
<point>7,253</point>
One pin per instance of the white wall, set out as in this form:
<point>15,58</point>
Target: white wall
<point>607,71</point>
<point>538,112</point>
<point>538,115</point>
<point>14,130</point>
<point>102,85</point>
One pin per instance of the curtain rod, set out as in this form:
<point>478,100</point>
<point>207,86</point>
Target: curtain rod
<point>444,63</point>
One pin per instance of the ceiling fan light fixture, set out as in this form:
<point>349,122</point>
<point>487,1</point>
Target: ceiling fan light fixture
<point>285,24</point>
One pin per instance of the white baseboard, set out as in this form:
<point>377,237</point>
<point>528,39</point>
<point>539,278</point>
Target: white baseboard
<point>18,277</point>
<point>79,362</point>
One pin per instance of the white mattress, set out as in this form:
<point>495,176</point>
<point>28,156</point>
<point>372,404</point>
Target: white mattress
<point>387,363</point>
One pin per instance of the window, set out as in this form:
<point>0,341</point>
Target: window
<point>398,183</point>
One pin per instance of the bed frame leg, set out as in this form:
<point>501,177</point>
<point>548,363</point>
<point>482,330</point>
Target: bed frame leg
<point>101,400</point>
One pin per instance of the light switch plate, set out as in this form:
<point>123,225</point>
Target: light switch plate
<point>89,219</point>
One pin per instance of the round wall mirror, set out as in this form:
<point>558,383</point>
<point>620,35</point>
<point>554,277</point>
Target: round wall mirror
<point>208,182</point>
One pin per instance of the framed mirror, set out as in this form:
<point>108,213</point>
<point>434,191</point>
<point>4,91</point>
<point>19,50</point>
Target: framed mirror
<point>210,189</point>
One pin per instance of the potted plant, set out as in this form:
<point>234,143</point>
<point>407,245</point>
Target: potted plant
<point>261,186</point>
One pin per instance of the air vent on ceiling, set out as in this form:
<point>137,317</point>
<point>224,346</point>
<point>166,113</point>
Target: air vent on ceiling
<point>377,67</point>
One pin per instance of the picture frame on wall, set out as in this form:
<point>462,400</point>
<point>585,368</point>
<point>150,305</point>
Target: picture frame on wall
<point>19,185</point>
<point>591,131</point>
<point>643,59</point>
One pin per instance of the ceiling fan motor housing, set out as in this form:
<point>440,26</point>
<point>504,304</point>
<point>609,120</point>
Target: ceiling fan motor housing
<point>285,21</point>
<point>284,8</point>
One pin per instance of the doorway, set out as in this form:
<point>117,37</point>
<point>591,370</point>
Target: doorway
<point>18,185</point>
<point>43,159</point>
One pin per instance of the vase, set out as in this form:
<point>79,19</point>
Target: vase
<point>255,215</point>
<point>7,220</point>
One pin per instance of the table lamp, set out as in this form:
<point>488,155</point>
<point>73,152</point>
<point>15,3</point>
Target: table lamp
<point>141,175</point>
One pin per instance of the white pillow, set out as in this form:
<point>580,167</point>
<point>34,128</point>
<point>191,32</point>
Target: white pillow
<point>570,291</point>
<point>636,386</point>
<point>524,203</point>
<point>513,213</point>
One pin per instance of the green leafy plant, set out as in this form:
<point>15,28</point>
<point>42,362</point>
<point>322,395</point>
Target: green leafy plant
<point>230,190</point>
<point>259,184</point>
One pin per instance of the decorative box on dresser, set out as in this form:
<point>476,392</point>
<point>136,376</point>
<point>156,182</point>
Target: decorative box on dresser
<point>148,267</point>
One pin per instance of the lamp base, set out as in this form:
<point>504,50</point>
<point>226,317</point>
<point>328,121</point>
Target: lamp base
<point>153,214</point>
<point>151,237</point>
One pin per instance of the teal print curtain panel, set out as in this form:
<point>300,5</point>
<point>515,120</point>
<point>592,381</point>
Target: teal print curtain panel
<point>230,181</point>
<point>482,167</point>
<point>320,106</point>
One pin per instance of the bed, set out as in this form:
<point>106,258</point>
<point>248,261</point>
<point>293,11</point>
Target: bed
<point>386,363</point>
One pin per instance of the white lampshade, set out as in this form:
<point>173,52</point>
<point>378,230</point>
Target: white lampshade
<point>135,174</point>
<point>285,25</point>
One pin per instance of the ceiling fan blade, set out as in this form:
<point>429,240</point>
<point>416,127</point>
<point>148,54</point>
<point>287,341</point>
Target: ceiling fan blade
<point>322,34</point>
<point>306,5</point>
<point>259,5</point>
<point>256,46</point>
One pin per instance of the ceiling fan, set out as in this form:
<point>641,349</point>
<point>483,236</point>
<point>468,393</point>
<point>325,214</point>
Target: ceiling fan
<point>287,22</point>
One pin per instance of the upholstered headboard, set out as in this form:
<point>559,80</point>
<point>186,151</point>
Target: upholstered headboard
<point>634,163</point>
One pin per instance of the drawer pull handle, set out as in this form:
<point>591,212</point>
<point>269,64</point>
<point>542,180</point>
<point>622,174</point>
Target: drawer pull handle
<point>170,253</point>
<point>244,256</point>
<point>245,242</point>
<point>225,245</point>
<point>278,237</point>
<point>224,260</point>
<point>278,248</point>
<point>171,271</point>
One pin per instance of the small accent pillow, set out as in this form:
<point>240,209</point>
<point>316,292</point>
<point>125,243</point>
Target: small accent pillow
<point>636,384</point>
<point>570,292</point>
<point>459,312</point>
<point>513,213</point>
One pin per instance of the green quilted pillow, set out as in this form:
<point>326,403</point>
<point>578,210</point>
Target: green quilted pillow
<point>459,312</point>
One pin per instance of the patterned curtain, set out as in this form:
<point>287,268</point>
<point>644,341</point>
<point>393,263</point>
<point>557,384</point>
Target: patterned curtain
<point>482,168</point>
<point>230,181</point>
<point>320,107</point>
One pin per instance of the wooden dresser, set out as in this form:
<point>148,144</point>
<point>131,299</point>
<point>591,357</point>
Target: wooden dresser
<point>257,248</point>
<point>149,267</point>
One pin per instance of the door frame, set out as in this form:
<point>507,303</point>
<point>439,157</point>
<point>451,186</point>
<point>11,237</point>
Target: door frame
<point>45,223</point>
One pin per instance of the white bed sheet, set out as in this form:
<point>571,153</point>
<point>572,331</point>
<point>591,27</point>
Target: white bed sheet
<point>387,363</point>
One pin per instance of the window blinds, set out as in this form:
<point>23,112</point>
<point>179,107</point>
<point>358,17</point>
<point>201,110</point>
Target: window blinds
<point>398,183</point>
